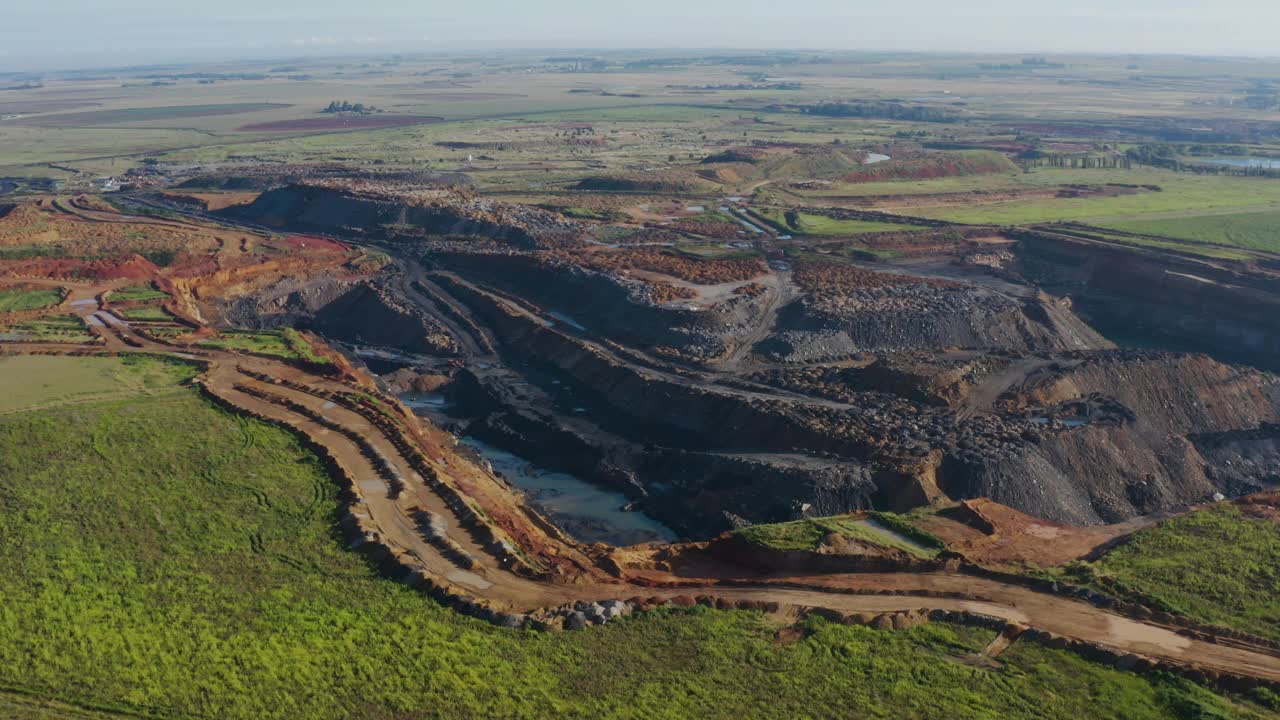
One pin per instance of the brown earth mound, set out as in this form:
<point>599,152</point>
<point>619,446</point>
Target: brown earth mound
<point>702,272</point>
<point>830,278</point>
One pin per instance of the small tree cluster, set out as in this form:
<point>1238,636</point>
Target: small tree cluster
<point>346,107</point>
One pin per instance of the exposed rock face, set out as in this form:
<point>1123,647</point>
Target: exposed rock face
<point>613,306</point>
<point>1135,457</point>
<point>702,491</point>
<point>361,313</point>
<point>1231,313</point>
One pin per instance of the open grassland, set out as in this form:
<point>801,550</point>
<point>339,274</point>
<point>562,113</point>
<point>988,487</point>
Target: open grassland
<point>1256,231</point>
<point>16,299</point>
<point>31,382</point>
<point>21,145</point>
<point>1216,565</point>
<point>163,558</point>
<point>142,114</point>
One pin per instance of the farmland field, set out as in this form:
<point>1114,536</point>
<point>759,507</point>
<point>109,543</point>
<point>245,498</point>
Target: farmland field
<point>1256,231</point>
<point>143,114</point>
<point>240,603</point>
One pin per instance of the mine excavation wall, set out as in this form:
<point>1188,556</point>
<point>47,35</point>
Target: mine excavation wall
<point>1141,295</point>
<point>664,411</point>
<point>323,209</point>
<point>533,434</point>
<point>1194,422</point>
<point>357,313</point>
<point>590,297</point>
<point>1242,460</point>
<point>697,489</point>
<point>366,316</point>
<point>1086,476</point>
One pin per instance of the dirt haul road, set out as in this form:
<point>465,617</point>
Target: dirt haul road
<point>515,561</point>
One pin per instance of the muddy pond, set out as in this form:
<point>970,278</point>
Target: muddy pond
<point>586,511</point>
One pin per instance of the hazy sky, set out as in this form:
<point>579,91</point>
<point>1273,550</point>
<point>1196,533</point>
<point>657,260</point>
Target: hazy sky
<point>87,33</point>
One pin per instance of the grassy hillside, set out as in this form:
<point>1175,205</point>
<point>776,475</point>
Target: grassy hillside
<point>163,558</point>
<point>1216,565</point>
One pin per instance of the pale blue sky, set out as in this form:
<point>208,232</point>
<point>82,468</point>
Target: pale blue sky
<point>87,33</point>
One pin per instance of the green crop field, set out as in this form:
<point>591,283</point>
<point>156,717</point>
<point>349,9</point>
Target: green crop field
<point>1255,231</point>
<point>164,558</point>
<point>1216,565</point>
<point>14,300</point>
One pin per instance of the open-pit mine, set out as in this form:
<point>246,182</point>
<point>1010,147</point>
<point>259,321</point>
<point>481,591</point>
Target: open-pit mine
<point>610,373</point>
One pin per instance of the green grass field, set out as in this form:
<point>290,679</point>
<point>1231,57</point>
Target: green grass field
<point>31,382</point>
<point>810,224</point>
<point>1255,231</point>
<point>1215,565</point>
<point>14,300</point>
<point>163,558</point>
